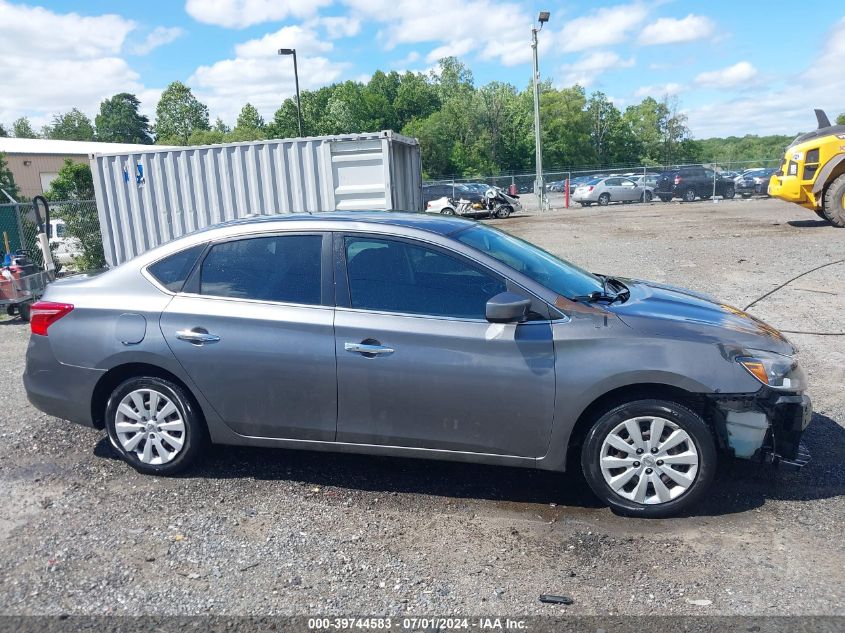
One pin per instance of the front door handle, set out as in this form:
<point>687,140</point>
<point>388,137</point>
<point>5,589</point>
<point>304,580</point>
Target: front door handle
<point>197,336</point>
<point>368,349</point>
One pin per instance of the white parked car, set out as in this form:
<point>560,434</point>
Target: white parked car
<point>603,191</point>
<point>65,248</point>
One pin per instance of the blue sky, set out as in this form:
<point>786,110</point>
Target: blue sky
<point>736,68</point>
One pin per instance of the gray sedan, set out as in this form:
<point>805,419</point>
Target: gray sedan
<point>419,336</point>
<point>603,191</point>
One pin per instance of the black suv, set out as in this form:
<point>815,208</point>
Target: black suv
<point>690,183</point>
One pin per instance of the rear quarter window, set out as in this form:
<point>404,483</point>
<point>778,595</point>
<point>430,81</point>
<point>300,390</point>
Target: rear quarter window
<point>172,272</point>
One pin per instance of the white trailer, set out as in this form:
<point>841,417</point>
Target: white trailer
<point>147,198</point>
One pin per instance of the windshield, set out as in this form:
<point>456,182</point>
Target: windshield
<point>555,274</point>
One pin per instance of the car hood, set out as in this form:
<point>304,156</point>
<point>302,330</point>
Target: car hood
<point>671,311</point>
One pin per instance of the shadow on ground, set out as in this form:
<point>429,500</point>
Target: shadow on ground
<point>739,486</point>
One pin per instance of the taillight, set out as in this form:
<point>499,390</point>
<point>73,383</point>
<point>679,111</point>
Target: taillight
<point>591,188</point>
<point>44,313</point>
<point>677,180</point>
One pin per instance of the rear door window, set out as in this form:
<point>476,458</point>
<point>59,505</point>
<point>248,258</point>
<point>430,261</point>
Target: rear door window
<point>171,272</point>
<point>283,268</point>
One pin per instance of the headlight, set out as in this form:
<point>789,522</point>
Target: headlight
<point>775,370</point>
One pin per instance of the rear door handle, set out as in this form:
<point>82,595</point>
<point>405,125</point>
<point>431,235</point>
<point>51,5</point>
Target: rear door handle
<point>194,336</point>
<point>368,349</point>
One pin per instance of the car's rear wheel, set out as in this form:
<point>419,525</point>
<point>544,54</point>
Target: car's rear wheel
<point>447,211</point>
<point>730,192</point>
<point>604,199</point>
<point>689,195</point>
<point>154,425</point>
<point>646,197</point>
<point>834,202</point>
<point>649,458</point>
<point>25,311</point>
<point>666,198</point>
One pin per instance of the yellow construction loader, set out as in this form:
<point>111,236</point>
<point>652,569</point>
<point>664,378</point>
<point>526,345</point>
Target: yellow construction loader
<point>813,172</point>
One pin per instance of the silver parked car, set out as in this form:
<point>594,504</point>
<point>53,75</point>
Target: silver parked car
<point>603,191</point>
<point>420,336</point>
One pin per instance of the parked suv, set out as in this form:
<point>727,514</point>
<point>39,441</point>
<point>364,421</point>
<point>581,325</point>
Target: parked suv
<point>690,183</point>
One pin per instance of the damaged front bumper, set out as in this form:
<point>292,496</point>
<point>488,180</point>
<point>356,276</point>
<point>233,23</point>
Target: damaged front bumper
<point>765,426</point>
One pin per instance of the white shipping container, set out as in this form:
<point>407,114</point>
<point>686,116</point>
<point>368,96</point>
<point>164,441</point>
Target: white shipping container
<point>148,198</point>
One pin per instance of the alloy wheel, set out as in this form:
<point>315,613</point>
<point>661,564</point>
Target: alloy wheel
<point>150,425</point>
<point>649,460</point>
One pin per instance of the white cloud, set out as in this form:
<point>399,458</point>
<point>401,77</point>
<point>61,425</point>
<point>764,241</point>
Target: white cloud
<point>586,70</point>
<point>34,31</point>
<point>303,39</point>
<point>786,108</point>
<point>603,27</point>
<point>670,89</point>
<point>243,13</point>
<point>257,74</point>
<point>729,77</point>
<point>52,62</point>
<point>341,26</point>
<point>409,59</point>
<point>496,31</point>
<point>672,30</point>
<point>159,36</point>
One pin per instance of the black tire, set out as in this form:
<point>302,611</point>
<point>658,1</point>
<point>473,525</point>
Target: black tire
<point>193,438</point>
<point>25,311</point>
<point>502,211</point>
<point>646,197</point>
<point>834,202</point>
<point>729,193</point>
<point>604,199</point>
<point>746,195</point>
<point>705,197</point>
<point>682,417</point>
<point>689,195</point>
<point>10,309</point>
<point>819,213</point>
<point>665,198</point>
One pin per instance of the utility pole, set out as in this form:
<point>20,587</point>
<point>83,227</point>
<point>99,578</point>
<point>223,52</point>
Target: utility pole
<point>539,185</point>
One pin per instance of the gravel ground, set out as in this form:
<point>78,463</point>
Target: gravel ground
<point>257,531</point>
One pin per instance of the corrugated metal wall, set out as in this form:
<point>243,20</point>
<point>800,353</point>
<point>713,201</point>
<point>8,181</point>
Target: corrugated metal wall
<point>149,198</point>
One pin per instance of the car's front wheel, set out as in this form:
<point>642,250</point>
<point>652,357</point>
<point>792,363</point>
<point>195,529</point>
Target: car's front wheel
<point>649,458</point>
<point>730,192</point>
<point>154,425</point>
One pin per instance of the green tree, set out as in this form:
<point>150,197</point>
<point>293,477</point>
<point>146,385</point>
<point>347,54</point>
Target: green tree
<point>219,133</point>
<point>179,113</point>
<point>565,127</point>
<point>74,186</point>
<point>416,98</point>
<point>7,181</point>
<point>840,120</point>
<point>74,182</point>
<point>70,126</point>
<point>22,128</point>
<point>249,127</point>
<point>120,122</point>
<point>3,131</point>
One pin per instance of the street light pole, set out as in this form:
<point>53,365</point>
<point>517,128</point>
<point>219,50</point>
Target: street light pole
<point>539,185</point>
<point>292,51</point>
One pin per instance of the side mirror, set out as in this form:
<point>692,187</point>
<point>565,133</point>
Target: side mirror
<point>507,307</point>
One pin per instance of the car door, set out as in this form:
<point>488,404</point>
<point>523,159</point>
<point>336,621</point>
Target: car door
<point>253,329</point>
<point>419,365</point>
<point>612,186</point>
<point>628,190</point>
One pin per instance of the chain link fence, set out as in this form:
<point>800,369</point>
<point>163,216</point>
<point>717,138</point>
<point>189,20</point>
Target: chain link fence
<point>74,232</point>
<point>555,179</point>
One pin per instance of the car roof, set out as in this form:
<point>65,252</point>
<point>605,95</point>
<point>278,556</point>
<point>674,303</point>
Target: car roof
<point>440,224</point>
